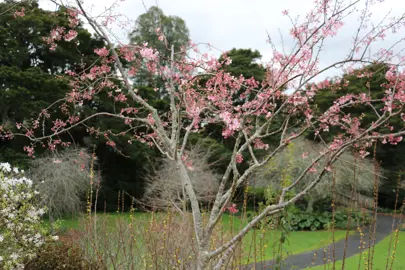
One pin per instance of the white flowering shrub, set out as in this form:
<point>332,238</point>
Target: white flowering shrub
<point>21,232</point>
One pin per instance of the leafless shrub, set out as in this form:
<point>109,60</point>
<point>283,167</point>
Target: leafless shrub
<point>158,240</point>
<point>62,180</point>
<point>139,243</point>
<point>351,172</point>
<point>165,189</point>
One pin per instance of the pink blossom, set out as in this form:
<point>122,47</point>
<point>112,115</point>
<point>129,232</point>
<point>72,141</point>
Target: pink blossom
<point>35,124</point>
<point>70,73</point>
<point>232,209</point>
<point>56,34</point>
<point>394,140</point>
<point>58,124</point>
<point>337,142</point>
<point>121,97</point>
<point>19,13</point>
<point>104,69</point>
<point>285,12</point>
<point>308,114</point>
<point>128,53</point>
<point>304,155</point>
<point>132,71</point>
<point>231,122</point>
<point>148,53</point>
<point>69,36</point>
<point>129,110</point>
<point>238,158</point>
<point>73,20</point>
<point>45,113</point>
<point>150,119</point>
<point>298,99</point>
<point>151,66</point>
<point>188,163</point>
<point>29,133</point>
<point>363,153</point>
<point>259,144</point>
<point>102,52</point>
<point>30,151</point>
<point>111,143</point>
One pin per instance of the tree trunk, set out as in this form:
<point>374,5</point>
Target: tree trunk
<point>202,258</point>
<point>51,220</point>
<point>184,195</point>
<point>202,261</point>
<point>310,206</point>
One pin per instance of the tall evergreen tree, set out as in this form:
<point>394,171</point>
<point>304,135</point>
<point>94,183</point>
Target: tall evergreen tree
<point>32,75</point>
<point>161,32</point>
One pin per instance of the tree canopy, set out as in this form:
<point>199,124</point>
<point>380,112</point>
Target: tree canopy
<point>244,62</point>
<point>160,31</point>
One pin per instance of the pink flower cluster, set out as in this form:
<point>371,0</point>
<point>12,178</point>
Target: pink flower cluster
<point>102,52</point>
<point>73,17</point>
<point>187,162</point>
<point>19,13</point>
<point>259,144</point>
<point>148,53</point>
<point>232,123</point>
<point>57,34</point>
<point>238,158</point>
<point>231,208</point>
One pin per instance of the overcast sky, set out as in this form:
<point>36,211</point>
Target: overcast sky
<point>228,24</point>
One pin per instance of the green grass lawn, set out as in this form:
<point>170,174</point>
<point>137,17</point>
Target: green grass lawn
<point>266,243</point>
<point>76,223</point>
<point>258,245</point>
<point>379,261</point>
<point>296,242</point>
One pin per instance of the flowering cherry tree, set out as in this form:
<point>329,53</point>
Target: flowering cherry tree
<point>200,92</point>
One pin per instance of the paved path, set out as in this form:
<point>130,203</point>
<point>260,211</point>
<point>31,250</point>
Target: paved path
<point>304,260</point>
